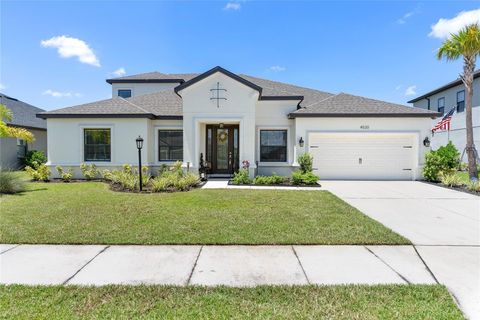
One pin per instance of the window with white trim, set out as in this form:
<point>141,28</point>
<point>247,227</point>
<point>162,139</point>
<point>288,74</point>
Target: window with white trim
<point>97,144</point>
<point>170,145</point>
<point>273,145</point>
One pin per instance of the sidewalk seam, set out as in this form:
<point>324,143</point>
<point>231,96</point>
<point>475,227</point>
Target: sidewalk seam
<point>388,265</point>
<point>301,265</point>
<point>426,265</point>
<point>194,265</point>
<point>81,268</point>
<point>18,245</point>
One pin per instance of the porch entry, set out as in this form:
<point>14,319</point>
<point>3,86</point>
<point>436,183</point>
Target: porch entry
<point>222,148</point>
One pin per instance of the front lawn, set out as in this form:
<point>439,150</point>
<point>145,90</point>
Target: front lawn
<point>265,302</point>
<point>90,213</point>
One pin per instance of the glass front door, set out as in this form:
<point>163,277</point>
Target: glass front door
<point>222,148</point>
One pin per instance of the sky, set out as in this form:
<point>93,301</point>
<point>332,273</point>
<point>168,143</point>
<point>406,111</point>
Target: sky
<point>56,54</point>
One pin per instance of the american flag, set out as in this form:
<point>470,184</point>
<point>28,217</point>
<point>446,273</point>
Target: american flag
<point>444,123</point>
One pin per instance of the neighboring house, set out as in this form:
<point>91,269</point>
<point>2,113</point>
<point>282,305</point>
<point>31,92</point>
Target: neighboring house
<point>12,150</point>
<point>228,118</point>
<point>443,99</point>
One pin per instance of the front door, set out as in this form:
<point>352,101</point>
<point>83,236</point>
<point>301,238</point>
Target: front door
<point>222,148</point>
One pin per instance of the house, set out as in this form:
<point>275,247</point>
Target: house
<point>442,100</point>
<point>227,118</point>
<point>12,150</point>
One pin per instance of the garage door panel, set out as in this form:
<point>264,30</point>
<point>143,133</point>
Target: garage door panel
<point>362,156</point>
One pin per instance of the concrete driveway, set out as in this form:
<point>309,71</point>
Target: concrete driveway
<point>443,225</point>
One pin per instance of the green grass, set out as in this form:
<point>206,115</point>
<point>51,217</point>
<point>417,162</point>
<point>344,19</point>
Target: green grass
<point>90,213</point>
<point>266,302</point>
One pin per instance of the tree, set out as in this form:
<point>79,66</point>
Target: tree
<point>12,132</point>
<point>466,44</point>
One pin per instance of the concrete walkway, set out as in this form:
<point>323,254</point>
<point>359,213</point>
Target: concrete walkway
<point>211,265</point>
<point>443,224</point>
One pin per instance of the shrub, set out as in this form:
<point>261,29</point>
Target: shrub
<point>450,179</point>
<point>11,182</point>
<point>66,176</point>
<point>446,160</point>
<point>175,179</point>
<point>473,185</point>
<point>34,156</point>
<point>241,177</point>
<point>266,180</point>
<point>308,178</point>
<point>107,175</point>
<point>89,171</point>
<point>160,184</point>
<point>39,172</point>
<point>305,161</point>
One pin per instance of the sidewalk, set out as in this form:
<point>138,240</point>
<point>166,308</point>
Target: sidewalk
<point>211,265</point>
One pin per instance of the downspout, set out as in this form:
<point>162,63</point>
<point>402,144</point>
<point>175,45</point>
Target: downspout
<point>428,105</point>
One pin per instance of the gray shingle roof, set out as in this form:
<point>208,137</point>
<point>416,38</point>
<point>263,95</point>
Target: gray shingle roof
<point>344,104</point>
<point>169,104</point>
<point>24,114</point>
<point>155,75</point>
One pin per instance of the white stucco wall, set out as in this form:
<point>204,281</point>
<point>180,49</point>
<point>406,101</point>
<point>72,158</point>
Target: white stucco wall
<point>418,126</point>
<point>458,132</point>
<point>199,109</point>
<point>65,141</point>
<point>142,88</point>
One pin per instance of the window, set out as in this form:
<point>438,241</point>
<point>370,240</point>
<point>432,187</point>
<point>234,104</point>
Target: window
<point>170,145</point>
<point>125,93</point>
<point>97,145</point>
<point>21,148</point>
<point>441,105</point>
<point>273,145</point>
<point>461,101</point>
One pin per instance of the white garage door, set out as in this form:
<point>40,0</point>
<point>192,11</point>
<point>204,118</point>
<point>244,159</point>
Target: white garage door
<point>369,156</point>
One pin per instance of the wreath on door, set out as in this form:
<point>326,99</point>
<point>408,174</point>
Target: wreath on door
<point>222,136</point>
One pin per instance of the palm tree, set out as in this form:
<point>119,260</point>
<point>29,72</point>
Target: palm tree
<point>12,132</point>
<point>466,44</point>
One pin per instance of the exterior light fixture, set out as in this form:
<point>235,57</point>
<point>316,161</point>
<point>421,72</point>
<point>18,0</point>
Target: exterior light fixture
<point>301,142</point>
<point>220,125</point>
<point>139,142</point>
<point>426,142</point>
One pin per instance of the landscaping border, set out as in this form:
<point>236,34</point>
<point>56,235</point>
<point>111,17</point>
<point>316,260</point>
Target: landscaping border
<point>461,189</point>
<point>318,185</point>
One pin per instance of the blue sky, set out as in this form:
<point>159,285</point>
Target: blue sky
<point>377,49</point>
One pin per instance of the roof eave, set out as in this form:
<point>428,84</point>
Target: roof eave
<point>94,115</point>
<point>110,81</point>
<point>362,115</point>
<point>212,71</point>
<point>442,88</point>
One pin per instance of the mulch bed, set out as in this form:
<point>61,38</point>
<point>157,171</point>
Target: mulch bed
<point>461,189</point>
<point>230,183</point>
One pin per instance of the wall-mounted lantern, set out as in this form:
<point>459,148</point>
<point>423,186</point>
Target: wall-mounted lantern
<point>426,142</point>
<point>139,142</point>
<point>301,142</point>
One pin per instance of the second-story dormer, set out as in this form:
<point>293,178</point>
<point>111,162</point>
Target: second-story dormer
<point>144,83</point>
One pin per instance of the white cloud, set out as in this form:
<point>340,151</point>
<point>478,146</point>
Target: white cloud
<point>119,72</point>
<point>445,27</point>
<point>398,87</point>
<point>2,86</point>
<point>72,47</point>
<point>277,68</point>
<point>58,94</point>
<point>411,90</point>
<point>405,17</point>
<point>232,6</point>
